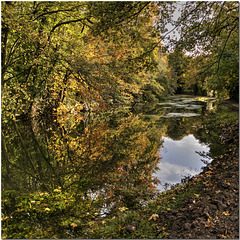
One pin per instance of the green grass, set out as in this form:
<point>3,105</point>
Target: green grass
<point>147,228</point>
<point>225,115</point>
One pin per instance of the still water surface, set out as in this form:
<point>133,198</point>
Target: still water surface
<point>80,169</point>
<point>180,159</point>
<point>118,156</point>
<point>181,150</point>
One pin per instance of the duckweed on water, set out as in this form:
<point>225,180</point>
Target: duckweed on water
<point>181,115</point>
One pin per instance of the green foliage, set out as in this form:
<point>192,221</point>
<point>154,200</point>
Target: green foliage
<point>209,31</point>
<point>120,226</point>
<point>224,76</point>
<point>9,199</point>
<point>48,215</point>
<point>178,63</point>
<point>224,116</point>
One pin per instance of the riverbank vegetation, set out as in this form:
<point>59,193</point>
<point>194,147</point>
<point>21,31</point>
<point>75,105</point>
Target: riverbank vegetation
<point>75,76</point>
<point>96,54</point>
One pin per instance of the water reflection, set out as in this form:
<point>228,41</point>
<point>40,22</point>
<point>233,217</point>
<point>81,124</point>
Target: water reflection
<point>180,159</point>
<point>111,156</point>
<point>109,160</point>
<point>97,164</point>
<point>187,135</point>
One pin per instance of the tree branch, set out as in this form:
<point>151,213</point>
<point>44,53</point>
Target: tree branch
<point>51,12</point>
<point>219,59</point>
<point>67,22</point>
<point>182,20</point>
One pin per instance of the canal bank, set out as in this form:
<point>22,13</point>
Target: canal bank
<point>213,211</point>
<point>206,207</point>
<point>118,188</point>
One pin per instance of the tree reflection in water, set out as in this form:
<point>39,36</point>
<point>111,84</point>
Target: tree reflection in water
<point>111,162</point>
<point>66,174</point>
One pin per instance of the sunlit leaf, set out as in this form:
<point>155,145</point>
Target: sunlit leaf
<point>226,213</point>
<point>73,225</point>
<point>154,217</point>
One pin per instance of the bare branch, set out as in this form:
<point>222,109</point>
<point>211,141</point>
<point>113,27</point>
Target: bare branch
<point>182,20</point>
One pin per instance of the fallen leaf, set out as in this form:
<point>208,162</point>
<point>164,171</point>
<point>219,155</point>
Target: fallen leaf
<point>222,236</point>
<point>228,183</point>
<point>207,225</point>
<point>226,213</point>
<point>154,217</point>
<point>73,225</point>
<point>120,228</point>
<point>123,209</point>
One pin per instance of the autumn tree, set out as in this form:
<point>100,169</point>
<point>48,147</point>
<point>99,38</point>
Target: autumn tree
<point>90,52</point>
<point>210,29</point>
<point>178,63</point>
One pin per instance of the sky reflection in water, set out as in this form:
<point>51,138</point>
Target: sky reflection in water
<point>179,159</point>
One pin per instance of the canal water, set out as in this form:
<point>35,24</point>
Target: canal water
<point>183,154</point>
<point>119,158</point>
<point>180,159</point>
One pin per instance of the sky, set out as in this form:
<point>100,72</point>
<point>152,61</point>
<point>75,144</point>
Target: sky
<point>176,15</point>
